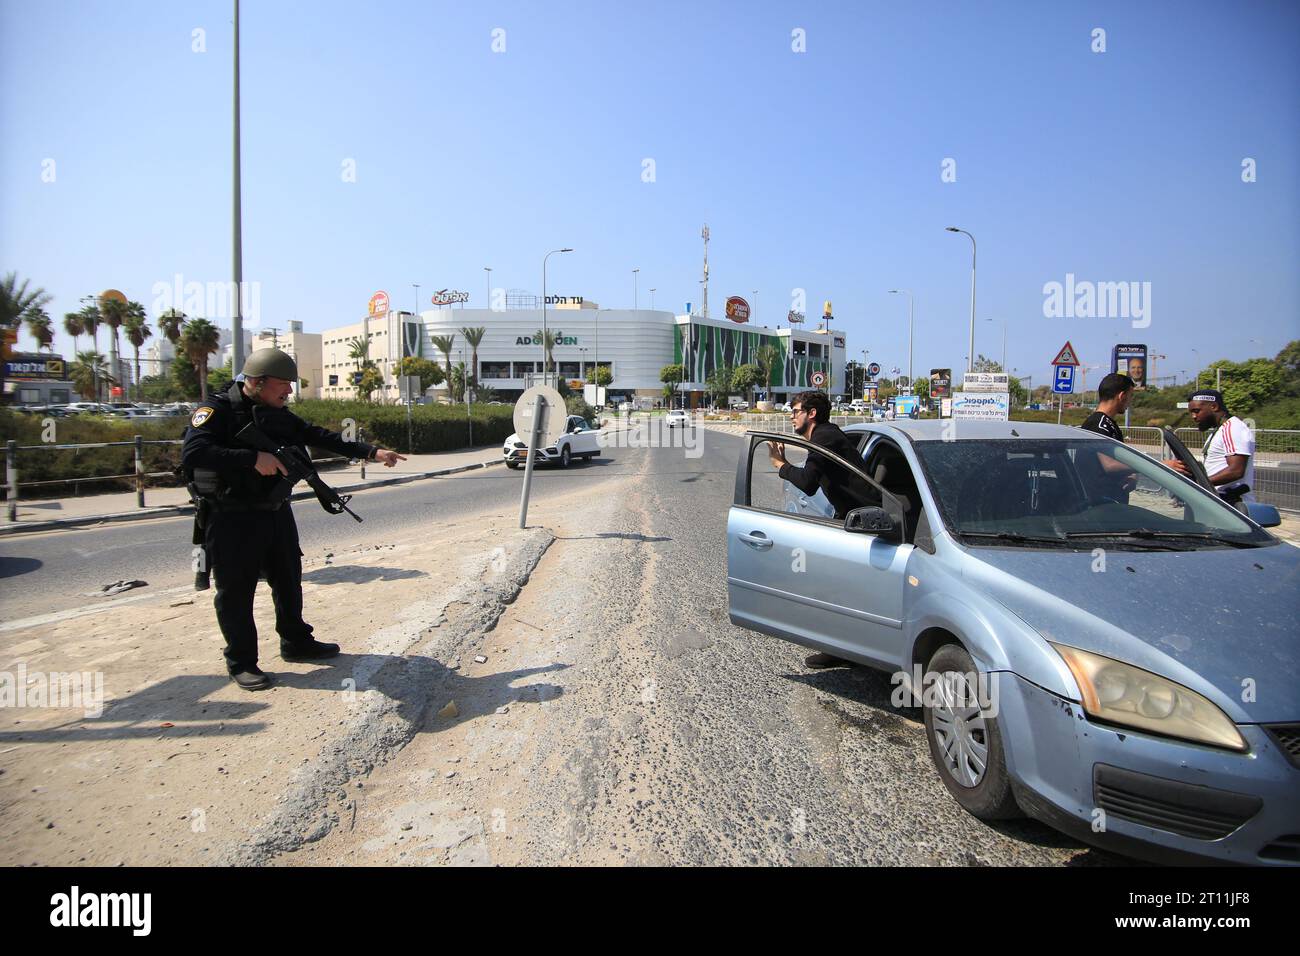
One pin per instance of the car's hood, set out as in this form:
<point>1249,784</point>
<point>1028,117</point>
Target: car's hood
<point>512,439</point>
<point>1230,616</point>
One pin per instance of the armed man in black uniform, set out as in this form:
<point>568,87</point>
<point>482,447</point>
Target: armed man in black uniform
<point>247,535</point>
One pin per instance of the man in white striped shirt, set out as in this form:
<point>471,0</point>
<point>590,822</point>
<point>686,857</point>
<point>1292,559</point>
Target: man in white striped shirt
<point>1229,453</point>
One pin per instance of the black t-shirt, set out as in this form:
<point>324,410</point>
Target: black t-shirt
<point>843,489</point>
<point>1103,424</point>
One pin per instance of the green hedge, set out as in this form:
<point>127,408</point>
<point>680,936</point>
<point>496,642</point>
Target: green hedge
<point>435,428</point>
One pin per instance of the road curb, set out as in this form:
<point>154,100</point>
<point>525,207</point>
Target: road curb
<point>316,798</point>
<point>172,511</point>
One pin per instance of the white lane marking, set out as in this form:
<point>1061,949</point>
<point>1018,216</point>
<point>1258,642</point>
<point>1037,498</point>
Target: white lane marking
<point>57,616</point>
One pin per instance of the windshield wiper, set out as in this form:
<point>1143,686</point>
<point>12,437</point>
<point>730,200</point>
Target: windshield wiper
<point>1149,534</point>
<point>1014,536</point>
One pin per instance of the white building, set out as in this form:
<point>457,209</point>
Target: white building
<point>634,344</point>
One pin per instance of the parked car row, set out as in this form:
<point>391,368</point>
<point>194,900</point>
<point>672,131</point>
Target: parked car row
<point>113,409</point>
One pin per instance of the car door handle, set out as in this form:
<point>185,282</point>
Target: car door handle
<point>756,540</point>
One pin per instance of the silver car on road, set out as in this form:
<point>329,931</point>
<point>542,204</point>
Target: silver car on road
<point>1094,640</point>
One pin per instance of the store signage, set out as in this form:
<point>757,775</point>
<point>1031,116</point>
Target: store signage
<point>560,339</point>
<point>21,367</point>
<point>940,383</point>
<point>378,304</point>
<point>737,309</point>
<point>449,297</point>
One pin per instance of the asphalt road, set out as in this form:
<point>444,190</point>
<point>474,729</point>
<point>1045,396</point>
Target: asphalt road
<point>55,571</point>
<point>667,735</point>
<point>623,719</point>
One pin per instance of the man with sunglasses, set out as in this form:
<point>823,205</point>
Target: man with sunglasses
<point>809,414</point>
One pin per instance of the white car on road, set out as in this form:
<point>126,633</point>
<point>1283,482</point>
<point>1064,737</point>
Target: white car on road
<point>581,439</point>
<point>678,417</point>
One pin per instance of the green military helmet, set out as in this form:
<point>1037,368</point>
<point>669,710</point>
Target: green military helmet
<point>272,362</point>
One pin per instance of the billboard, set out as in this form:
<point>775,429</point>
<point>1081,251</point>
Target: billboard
<point>940,382</point>
<point>34,367</point>
<point>737,309</point>
<point>982,406</point>
<point>1130,360</point>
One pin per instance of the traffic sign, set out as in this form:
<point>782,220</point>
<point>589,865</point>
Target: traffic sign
<point>818,379</point>
<point>873,369</point>
<point>553,415</point>
<point>1063,382</point>
<point>1066,356</point>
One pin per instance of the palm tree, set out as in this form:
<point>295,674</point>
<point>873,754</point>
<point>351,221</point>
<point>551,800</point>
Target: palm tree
<point>137,331</point>
<point>359,350</point>
<point>16,301</point>
<point>91,318</point>
<point>548,348</point>
<point>444,344</point>
<point>766,359</point>
<point>200,338</point>
<point>473,336</point>
<point>72,325</point>
<point>86,373</point>
<point>114,312</point>
<point>38,324</point>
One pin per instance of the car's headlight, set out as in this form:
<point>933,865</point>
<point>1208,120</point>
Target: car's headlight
<point>1123,694</point>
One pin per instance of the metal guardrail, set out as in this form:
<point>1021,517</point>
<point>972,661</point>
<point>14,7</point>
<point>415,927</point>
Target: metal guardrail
<point>12,484</point>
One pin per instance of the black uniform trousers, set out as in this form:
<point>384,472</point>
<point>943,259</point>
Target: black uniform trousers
<point>243,546</point>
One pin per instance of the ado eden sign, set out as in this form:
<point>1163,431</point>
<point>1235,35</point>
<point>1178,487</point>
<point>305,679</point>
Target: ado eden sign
<point>448,297</point>
<point>378,304</point>
<point>737,309</point>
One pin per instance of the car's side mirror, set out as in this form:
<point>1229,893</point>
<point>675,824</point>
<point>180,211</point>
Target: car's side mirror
<point>873,520</point>
<point>1265,516</point>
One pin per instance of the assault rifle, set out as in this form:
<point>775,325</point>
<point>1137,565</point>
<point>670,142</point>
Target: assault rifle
<point>299,468</point>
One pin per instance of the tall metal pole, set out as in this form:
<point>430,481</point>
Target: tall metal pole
<point>636,300</point>
<point>237,320</point>
<point>705,281</point>
<point>911,314</point>
<point>488,270</point>
<point>970,359</point>
<point>546,379</point>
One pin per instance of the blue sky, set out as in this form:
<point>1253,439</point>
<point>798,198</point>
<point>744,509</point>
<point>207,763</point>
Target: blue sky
<point>817,170</point>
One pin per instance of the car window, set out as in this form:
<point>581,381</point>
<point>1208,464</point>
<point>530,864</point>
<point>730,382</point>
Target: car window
<point>1064,489</point>
<point>769,492</point>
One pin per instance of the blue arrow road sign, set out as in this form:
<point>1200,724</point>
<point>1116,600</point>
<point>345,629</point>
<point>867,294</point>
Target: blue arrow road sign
<point>1063,382</point>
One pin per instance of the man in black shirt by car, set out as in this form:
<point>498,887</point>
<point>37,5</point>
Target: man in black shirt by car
<point>1114,395</point>
<point>809,412</point>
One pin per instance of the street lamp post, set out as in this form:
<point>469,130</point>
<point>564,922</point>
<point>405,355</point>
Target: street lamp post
<point>635,296</point>
<point>237,319</point>
<point>910,314</point>
<point>546,375</point>
<point>488,270</point>
<point>652,300</point>
<point>970,359</point>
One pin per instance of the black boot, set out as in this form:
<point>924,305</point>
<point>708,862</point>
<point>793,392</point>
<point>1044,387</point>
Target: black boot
<point>251,678</point>
<point>302,651</point>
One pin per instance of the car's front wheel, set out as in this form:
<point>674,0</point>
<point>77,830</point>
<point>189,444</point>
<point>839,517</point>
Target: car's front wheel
<point>512,465</point>
<point>965,741</point>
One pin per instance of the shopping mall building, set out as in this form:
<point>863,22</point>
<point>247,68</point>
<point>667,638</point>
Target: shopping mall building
<point>635,344</point>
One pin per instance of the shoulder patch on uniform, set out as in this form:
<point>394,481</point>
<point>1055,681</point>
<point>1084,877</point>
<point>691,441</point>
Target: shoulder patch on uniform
<point>201,415</point>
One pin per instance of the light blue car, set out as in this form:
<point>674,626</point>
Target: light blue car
<point>1095,641</point>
